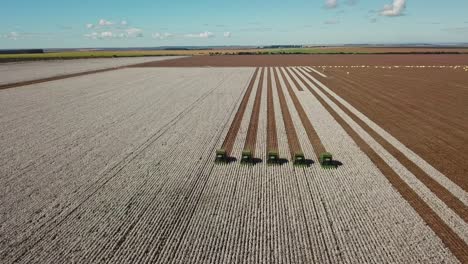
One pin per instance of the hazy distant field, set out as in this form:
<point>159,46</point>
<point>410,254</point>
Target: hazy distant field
<point>14,72</point>
<point>141,53</point>
<point>119,166</point>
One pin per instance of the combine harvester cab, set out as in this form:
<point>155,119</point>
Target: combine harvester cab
<point>221,156</point>
<point>299,159</point>
<point>326,160</point>
<point>273,157</point>
<point>247,157</point>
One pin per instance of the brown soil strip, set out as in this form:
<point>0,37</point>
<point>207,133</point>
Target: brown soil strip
<point>293,141</point>
<point>55,78</point>
<point>311,133</point>
<point>253,125</point>
<point>429,117</point>
<point>456,245</point>
<point>310,60</point>
<point>296,83</point>
<point>272,138</point>
<point>299,77</point>
<point>453,202</point>
<point>236,122</point>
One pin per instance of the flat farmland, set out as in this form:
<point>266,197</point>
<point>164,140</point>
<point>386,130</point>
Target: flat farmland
<point>14,72</point>
<point>312,60</point>
<point>425,108</point>
<point>119,166</point>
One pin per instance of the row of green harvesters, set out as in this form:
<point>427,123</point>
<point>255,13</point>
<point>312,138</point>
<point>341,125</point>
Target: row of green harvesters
<point>325,159</point>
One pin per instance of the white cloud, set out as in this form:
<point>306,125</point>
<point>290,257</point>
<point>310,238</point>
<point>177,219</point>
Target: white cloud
<point>331,22</point>
<point>128,33</point>
<point>133,33</point>
<point>105,29</point>
<point>12,35</point>
<point>103,22</point>
<point>93,35</point>
<point>227,34</point>
<point>107,34</point>
<point>161,36</point>
<point>395,9</point>
<point>205,34</point>
<point>331,3</point>
<point>458,30</point>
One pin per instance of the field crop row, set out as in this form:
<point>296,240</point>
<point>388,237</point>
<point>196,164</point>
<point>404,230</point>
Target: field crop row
<point>23,72</point>
<point>294,145</point>
<point>123,171</point>
<point>444,211</point>
<point>450,230</point>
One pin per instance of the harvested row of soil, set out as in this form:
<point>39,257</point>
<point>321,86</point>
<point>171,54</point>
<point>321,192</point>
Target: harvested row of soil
<point>296,83</point>
<point>311,133</point>
<point>456,245</point>
<point>55,78</point>
<point>230,138</point>
<point>253,125</point>
<point>428,117</point>
<point>293,141</point>
<point>310,60</point>
<point>23,73</point>
<point>272,138</point>
<point>137,184</point>
<point>298,76</point>
<point>442,193</point>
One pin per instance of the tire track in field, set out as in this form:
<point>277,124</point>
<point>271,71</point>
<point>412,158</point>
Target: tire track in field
<point>55,78</point>
<point>29,167</point>
<point>294,145</point>
<point>452,167</point>
<point>235,125</point>
<point>157,243</point>
<point>251,138</point>
<point>442,193</point>
<point>298,86</point>
<point>456,245</point>
<point>272,138</point>
<point>314,139</point>
<point>209,166</point>
<point>450,184</point>
<point>113,172</point>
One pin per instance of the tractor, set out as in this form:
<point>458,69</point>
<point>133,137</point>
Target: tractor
<point>273,157</point>
<point>299,159</point>
<point>247,157</point>
<point>326,160</point>
<point>221,156</point>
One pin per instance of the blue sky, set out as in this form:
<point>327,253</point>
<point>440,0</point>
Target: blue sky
<point>138,23</point>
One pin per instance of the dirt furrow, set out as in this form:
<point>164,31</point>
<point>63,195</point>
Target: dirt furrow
<point>311,133</point>
<point>294,146</point>
<point>456,245</point>
<point>230,138</point>
<point>455,204</point>
<point>295,82</point>
<point>251,139</point>
<point>442,179</point>
<point>272,138</point>
<point>429,118</point>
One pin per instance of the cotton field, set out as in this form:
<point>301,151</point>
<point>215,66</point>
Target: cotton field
<point>124,166</point>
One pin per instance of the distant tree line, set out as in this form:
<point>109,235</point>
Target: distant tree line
<point>22,51</point>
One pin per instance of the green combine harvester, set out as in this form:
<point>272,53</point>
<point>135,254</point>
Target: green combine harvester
<point>247,157</point>
<point>221,156</point>
<point>326,160</point>
<point>299,159</point>
<point>273,157</point>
